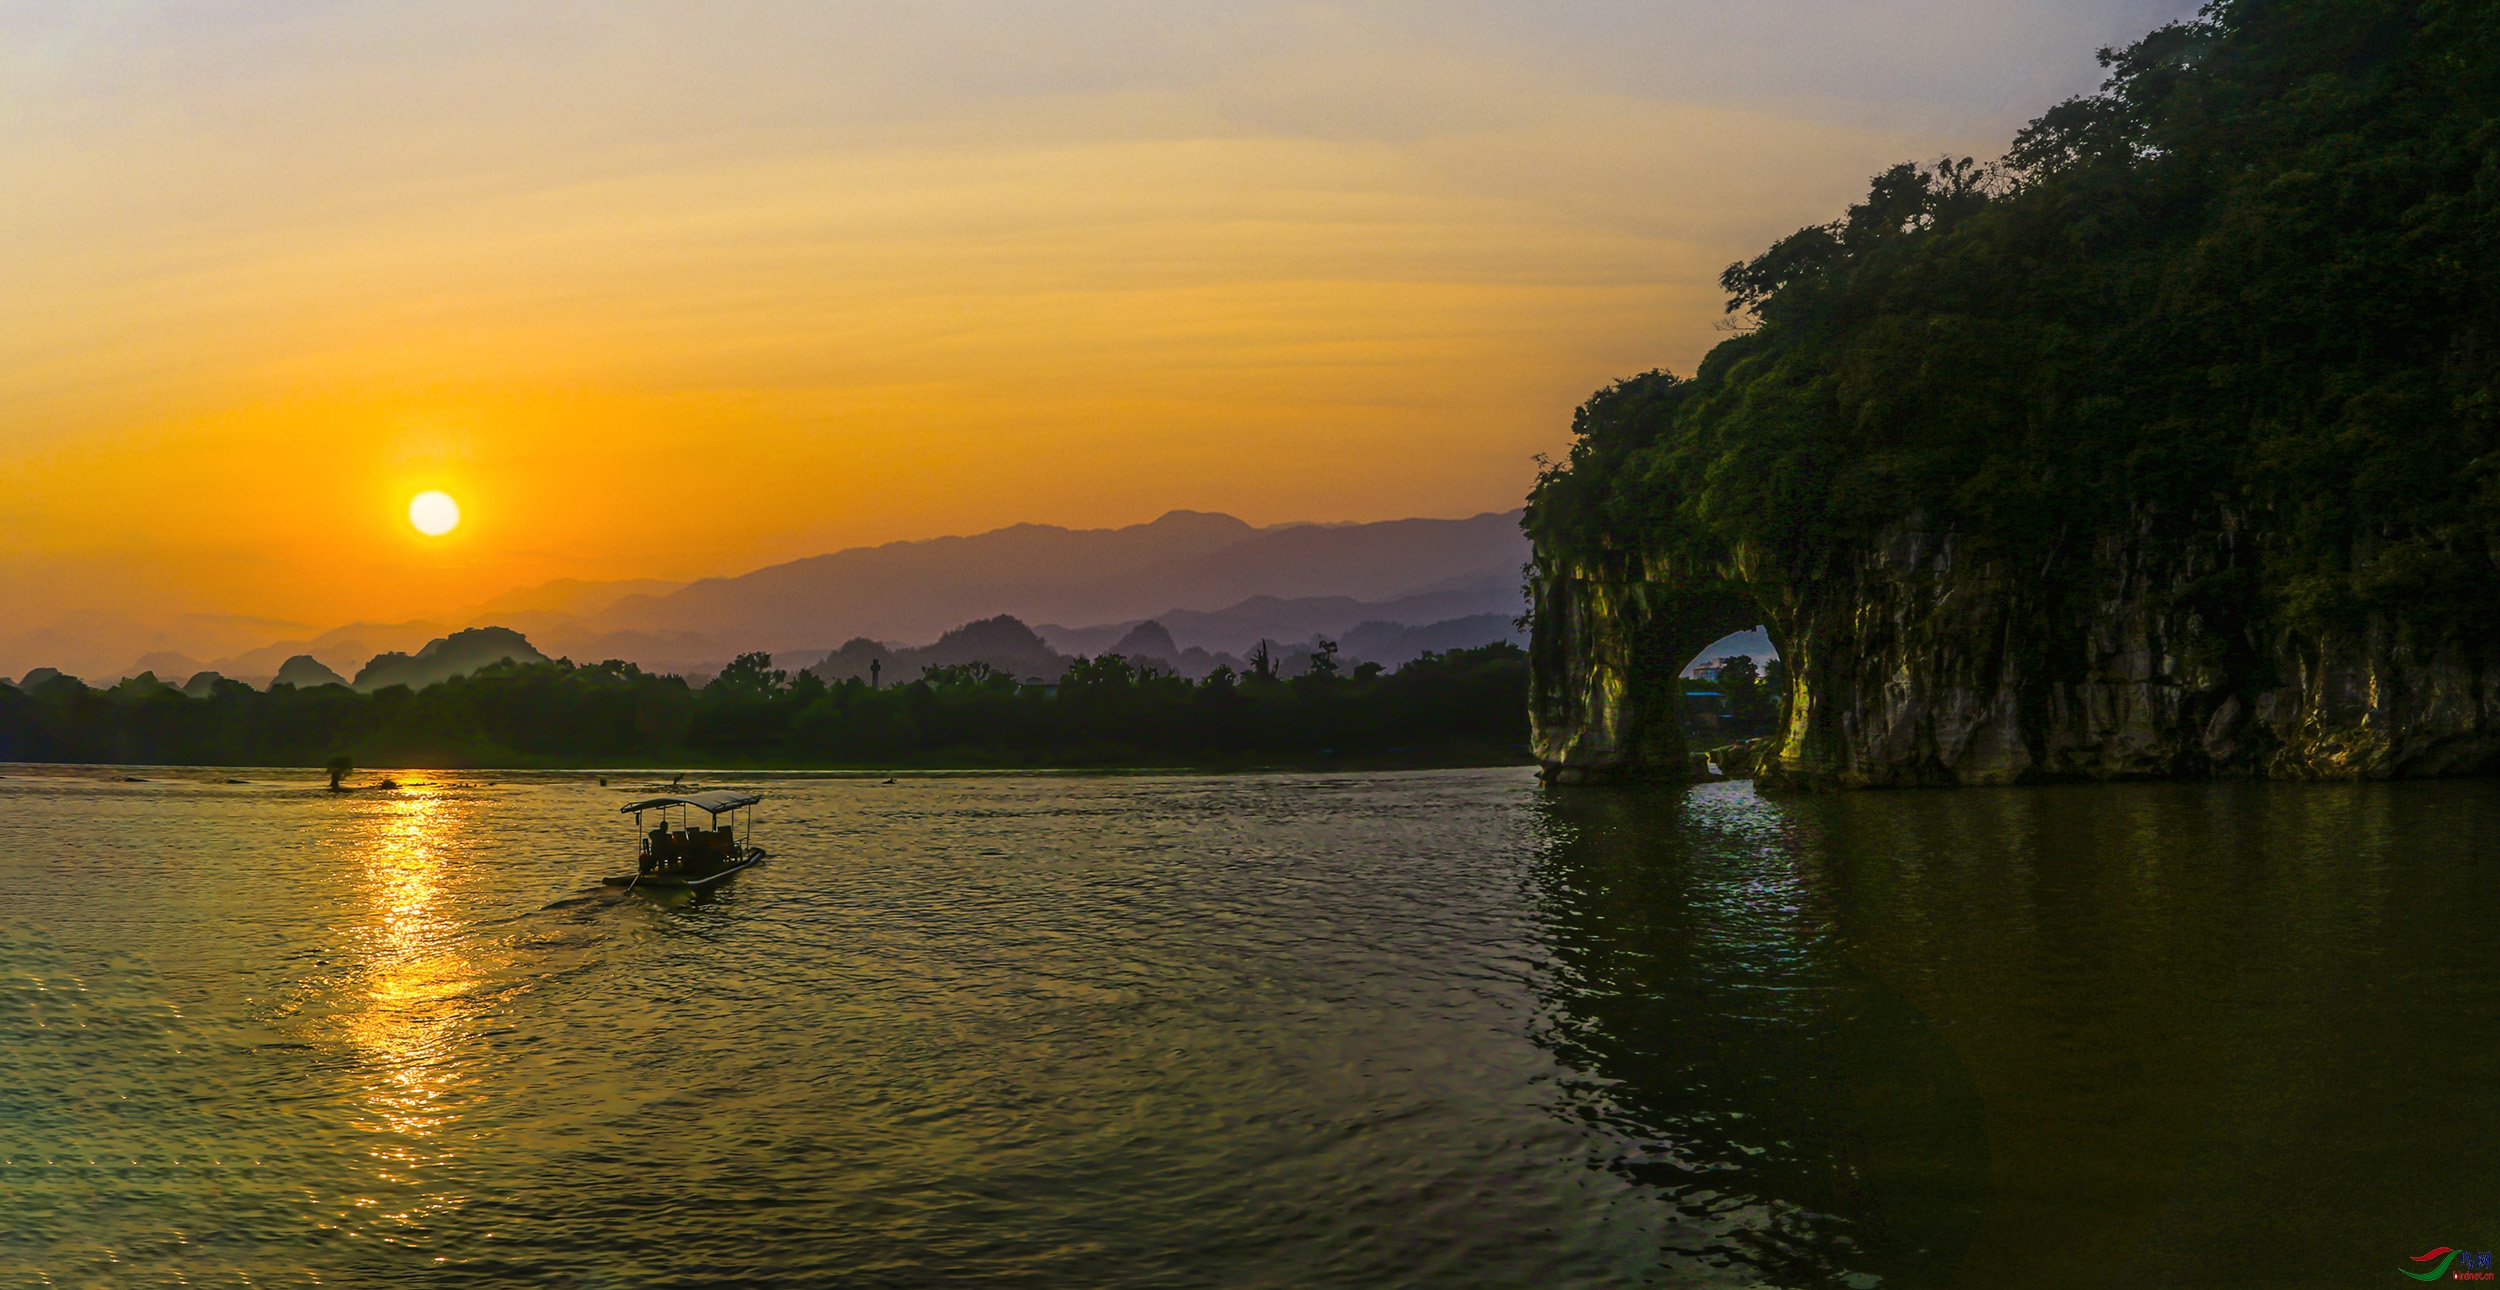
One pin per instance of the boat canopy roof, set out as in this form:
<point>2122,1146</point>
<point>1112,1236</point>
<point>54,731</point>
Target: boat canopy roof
<point>714,802</point>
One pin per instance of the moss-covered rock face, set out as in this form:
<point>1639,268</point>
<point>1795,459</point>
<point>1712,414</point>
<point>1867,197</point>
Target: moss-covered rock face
<point>1610,645</point>
<point>1926,667</point>
<point>2167,446</point>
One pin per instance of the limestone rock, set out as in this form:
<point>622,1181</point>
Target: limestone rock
<point>1925,665</point>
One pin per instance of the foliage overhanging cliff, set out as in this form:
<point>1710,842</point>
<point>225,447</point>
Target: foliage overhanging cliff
<point>2203,371</point>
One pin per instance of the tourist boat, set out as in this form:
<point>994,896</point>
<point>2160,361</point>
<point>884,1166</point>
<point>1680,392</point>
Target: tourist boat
<point>686,857</point>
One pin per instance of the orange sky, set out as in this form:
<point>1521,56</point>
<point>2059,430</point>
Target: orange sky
<point>660,297</point>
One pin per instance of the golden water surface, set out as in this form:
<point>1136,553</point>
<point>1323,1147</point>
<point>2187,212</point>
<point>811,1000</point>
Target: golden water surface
<point>1294,1030</point>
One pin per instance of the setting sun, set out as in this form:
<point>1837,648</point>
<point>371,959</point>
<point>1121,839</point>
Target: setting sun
<point>434,513</point>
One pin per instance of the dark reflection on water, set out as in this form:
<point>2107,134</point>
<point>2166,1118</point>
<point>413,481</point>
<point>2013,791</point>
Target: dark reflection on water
<point>2129,1035</point>
<point>1429,1030</point>
<point>1760,1078</point>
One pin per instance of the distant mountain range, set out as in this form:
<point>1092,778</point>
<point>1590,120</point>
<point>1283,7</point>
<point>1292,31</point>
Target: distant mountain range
<point>1001,642</point>
<point>1211,583</point>
<point>1009,645</point>
<point>1185,562</point>
<point>458,654</point>
<point>1277,619</point>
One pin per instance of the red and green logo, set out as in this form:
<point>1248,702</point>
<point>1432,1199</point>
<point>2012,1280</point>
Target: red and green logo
<point>2445,1256</point>
<point>2471,1265</point>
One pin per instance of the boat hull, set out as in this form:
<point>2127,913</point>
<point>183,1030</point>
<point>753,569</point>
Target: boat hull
<point>687,882</point>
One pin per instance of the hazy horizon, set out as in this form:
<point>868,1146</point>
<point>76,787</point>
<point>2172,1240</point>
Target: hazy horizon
<point>579,611</point>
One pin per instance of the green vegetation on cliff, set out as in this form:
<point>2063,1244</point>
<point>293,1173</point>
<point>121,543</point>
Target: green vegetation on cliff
<point>2250,288</point>
<point>1466,706</point>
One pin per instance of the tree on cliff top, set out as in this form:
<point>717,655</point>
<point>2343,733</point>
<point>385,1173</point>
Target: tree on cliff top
<point>2253,284</point>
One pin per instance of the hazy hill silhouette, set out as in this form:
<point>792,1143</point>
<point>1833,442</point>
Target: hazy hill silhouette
<point>1148,639</point>
<point>458,654</point>
<point>115,645</point>
<point>1002,642</point>
<point>340,651</point>
<point>1392,644</point>
<point>1236,627</point>
<point>304,671</point>
<point>1149,643</point>
<point>1010,646</point>
<point>1217,586</point>
<point>917,590</point>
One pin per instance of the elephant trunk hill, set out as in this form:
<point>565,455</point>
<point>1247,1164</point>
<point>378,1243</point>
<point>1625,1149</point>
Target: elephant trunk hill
<point>2169,445</point>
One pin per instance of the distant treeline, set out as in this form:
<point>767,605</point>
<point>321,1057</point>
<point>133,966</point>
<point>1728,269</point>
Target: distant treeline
<point>1462,706</point>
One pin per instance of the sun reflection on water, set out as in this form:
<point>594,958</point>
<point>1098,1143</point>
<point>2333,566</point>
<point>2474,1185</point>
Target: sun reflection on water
<point>419,981</point>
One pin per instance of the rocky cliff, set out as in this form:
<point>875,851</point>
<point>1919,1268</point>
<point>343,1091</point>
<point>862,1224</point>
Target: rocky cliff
<point>1922,665</point>
<point>2166,446</point>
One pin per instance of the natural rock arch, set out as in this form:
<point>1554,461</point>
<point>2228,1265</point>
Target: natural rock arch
<point>1918,664</point>
<point>1607,660</point>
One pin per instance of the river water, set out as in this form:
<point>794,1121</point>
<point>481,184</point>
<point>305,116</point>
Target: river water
<point>1435,1029</point>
